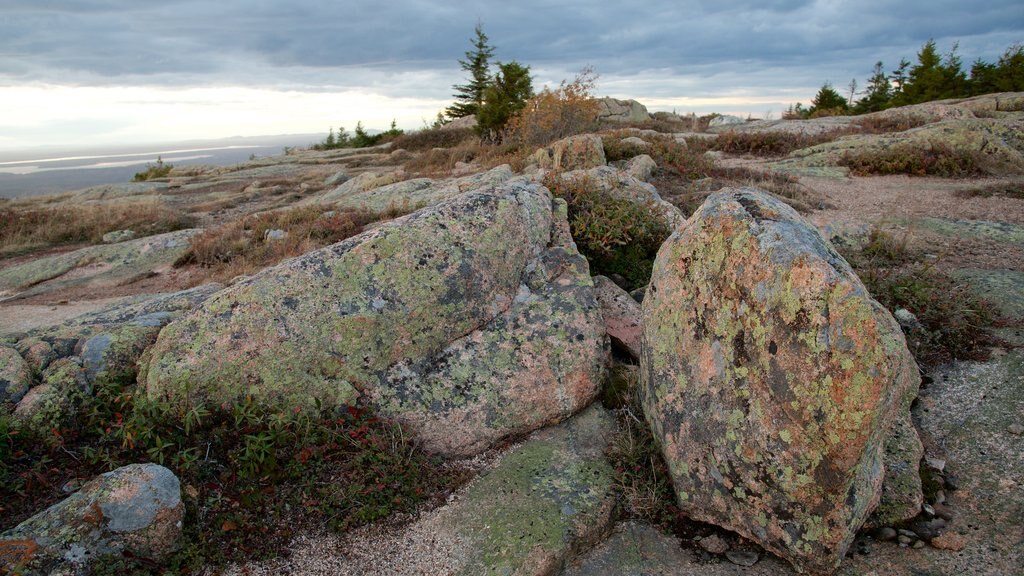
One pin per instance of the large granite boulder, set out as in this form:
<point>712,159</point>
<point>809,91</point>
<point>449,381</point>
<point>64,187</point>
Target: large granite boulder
<point>572,153</point>
<point>469,321</point>
<point>615,110</point>
<point>15,375</point>
<point>135,509</point>
<point>771,378</point>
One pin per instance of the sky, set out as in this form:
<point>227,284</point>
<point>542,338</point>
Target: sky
<point>107,72</point>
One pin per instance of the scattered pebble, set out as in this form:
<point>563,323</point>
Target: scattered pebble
<point>928,510</point>
<point>940,497</point>
<point>905,540</point>
<point>714,544</point>
<point>943,511</point>
<point>743,557</point>
<point>936,463</point>
<point>918,545</point>
<point>885,534</point>
<point>1016,429</point>
<point>908,533</point>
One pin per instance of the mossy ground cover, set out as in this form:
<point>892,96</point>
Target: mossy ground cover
<point>249,477</point>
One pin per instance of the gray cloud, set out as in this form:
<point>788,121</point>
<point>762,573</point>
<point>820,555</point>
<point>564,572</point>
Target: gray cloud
<point>404,47</point>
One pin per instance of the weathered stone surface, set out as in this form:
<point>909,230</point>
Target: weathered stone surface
<point>118,236</point>
<point>615,110</point>
<point>111,356</point>
<point>470,321</point>
<point>770,378</point>
<point>413,193</point>
<point>622,184</point>
<point>621,316</point>
<point>15,375</point>
<point>50,404</point>
<point>135,509</point>
<point>641,167</point>
<point>105,264</point>
<point>572,153</point>
<point>38,353</point>
<point>901,489</point>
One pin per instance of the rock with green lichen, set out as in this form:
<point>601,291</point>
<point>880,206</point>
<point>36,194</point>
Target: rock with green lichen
<point>49,405</point>
<point>771,378</point>
<point>15,375</point>
<point>37,352</point>
<point>376,193</point>
<point>135,509</point>
<point>623,184</point>
<point>573,153</point>
<point>902,496</point>
<point>102,265</point>
<point>621,316</point>
<point>470,321</point>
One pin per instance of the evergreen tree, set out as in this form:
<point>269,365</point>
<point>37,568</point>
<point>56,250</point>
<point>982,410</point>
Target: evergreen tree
<point>878,93</point>
<point>469,96</point>
<point>827,102</point>
<point>932,78</point>
<point>1010,70</point>
<point>899,78</point>
<point>504,98</point>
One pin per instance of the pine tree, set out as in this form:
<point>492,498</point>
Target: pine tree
<point>469,96</point>
<point>504,98</point>
<point>878,93</point>
<point>827,102</point>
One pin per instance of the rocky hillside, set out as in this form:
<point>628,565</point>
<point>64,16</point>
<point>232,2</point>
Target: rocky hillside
<point>768,347</point>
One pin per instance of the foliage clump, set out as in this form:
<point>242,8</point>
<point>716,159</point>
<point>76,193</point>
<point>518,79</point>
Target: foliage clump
<point>470,97</point>
<point>159,169</point>
<point>552,115</point>
<point>955,322</point>
<point>615,234</point>
<point>504,98</point>
<point>936,158</point>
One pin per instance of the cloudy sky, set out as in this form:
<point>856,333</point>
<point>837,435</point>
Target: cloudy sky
<point>129,71</point>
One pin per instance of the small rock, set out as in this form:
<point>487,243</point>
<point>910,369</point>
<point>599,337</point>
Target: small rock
<point>885,534</point>
<point>1016,429</point>
<point>275,234</point>
<point>118,236</point>
<point>907,320</point>
<point>949,541</point>
<point>639,294</point>
<point>908,533</point>
<point>905,540</point>
<point>714,544</point>
<point>929,512</point>
<point>943,511</point>
<point>940,497</point>
<point>918,545</point>
<point>863,548</point>
<point>929,529</point>
<point>743,557</point>
<point>951,483</point>
<point>937,464</point>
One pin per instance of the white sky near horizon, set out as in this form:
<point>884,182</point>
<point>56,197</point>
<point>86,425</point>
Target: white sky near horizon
<point>117,72</point>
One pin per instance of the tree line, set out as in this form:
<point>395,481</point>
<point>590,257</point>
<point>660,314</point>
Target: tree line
<point>932,77</point>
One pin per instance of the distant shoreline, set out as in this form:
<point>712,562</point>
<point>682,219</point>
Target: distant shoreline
<point>53,171</point>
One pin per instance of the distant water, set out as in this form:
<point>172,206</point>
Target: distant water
<point>61,171</point>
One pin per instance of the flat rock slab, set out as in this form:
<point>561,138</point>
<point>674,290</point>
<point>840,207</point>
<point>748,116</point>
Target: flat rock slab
<point>544,501</point>
<point>103,265</point>
<point>637,549</point>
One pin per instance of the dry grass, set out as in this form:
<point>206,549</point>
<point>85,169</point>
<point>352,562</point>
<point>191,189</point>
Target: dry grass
<point>772,144</point>
<point>246,246</point>
<point>31,227</point>
<point>434,138</point>
<point>888,124</point>
<point>1004,189</point>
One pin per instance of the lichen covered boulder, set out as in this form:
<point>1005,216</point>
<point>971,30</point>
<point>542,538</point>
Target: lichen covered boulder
<point>469,321</point>
<point>572,153</point>
<point>135,509</point>
<point>15,375</point>
<point>51,404</point>
<point>771,378</point>
<point>621,316</point>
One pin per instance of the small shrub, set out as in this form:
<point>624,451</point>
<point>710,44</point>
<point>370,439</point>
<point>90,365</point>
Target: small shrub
<point>154,171</point>
<point>617,236</point>
<point>615,149</point>
<point>555,114</point>
<point>771,144</point>
<point>888,124</point>
<point>955,322</point>
<point>934,159</point>
<point>640,473</point>
<point>434,138</point>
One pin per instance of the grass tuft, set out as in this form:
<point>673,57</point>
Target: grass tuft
<point>934,159</point>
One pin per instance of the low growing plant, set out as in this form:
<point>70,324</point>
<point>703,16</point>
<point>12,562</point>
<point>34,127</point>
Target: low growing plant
<point>934,159</point>
<point>617,235</point>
